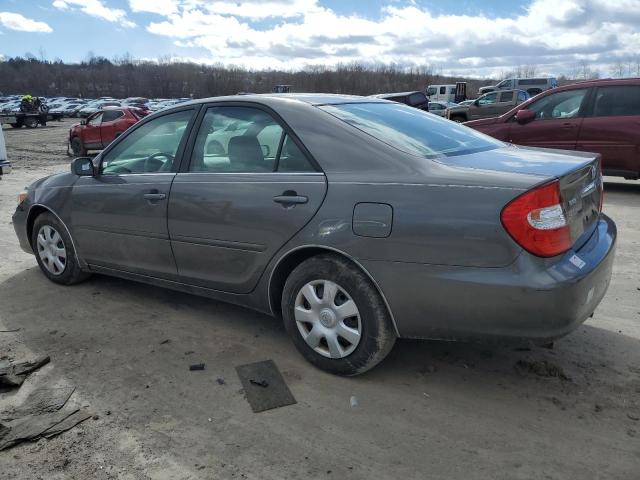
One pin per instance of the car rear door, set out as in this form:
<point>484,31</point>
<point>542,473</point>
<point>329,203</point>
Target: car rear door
<point>249,187</point>
<point>612,128</point>
<point>119,216</point>
<point>557,123</point>
<point>111,126</point>
<point>91,136</point>
<point>484,107</point>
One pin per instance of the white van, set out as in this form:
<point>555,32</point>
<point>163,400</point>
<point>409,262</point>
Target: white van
<point>441,93</point>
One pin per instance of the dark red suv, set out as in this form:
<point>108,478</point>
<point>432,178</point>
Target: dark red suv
<point>101,128</point>
<point>601,116</point>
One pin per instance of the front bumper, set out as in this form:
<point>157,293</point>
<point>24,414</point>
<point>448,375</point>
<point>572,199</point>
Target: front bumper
<point>534,298</point>
<point>20,226</point>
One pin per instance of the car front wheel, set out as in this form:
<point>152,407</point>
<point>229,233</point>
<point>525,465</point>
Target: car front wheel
<point>54,251</point>
<point>78,148</point>
<point>336,317</point>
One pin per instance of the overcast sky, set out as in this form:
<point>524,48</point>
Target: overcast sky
<point>463,37</point>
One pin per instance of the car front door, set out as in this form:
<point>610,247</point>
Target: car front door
<point>110,126</point>
<point>557,122</point>
<point>484,107</point>
<point>91,132</point>
<point>612,129</point>
<point>248,189</point>
<point>119,216</point>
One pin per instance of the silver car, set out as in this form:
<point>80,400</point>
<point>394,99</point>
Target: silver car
<point>358,220</point>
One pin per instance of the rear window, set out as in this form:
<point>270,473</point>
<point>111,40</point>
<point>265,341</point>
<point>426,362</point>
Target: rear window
<point>412,131</point>
<point>417,99</point>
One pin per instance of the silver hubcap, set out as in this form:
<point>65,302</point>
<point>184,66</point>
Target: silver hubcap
<point>328,319</point>
<point>51,250</point>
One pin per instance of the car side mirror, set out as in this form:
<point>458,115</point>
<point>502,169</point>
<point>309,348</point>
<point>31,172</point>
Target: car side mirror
<point>525,116</point>
<point>82,166</point>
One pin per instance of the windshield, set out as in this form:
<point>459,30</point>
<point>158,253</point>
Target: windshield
<point>411,130</point>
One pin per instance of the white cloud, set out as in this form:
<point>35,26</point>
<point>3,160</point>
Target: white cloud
<point>96,8</point>
<point>15,21</point>
<point>554,34</point>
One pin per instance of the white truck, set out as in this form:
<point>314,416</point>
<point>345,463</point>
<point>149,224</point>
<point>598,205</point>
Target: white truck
<point>441,93</point>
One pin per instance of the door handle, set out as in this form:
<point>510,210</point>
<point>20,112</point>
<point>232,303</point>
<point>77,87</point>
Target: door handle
<point>290,198</point>
<point>154,197</point>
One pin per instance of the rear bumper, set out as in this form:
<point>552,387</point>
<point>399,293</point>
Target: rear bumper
<point>534,298</point>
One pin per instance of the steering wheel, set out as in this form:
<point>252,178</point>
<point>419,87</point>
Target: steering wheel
<point>154,164</point>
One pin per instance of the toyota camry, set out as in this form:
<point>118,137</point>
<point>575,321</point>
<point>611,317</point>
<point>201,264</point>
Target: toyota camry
<point>357,220</point>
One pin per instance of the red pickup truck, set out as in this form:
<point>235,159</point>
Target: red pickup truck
<point>101,128</point>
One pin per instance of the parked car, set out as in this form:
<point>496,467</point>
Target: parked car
<point>414,99</point>
<point>101,128</point>
<point>440,108</point>
<point>601,116</point>
<point>489,105</point>
<point>532,86</point>
<point>358,220</point>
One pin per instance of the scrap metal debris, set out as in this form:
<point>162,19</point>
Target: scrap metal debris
<point>197,366</point>
<point>14,374</point>
<point>264,386</point>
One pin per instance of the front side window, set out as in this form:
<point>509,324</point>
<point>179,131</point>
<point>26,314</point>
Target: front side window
<point>505,84</point>
<point>620,100</point>
<point>432,91</point>
<point>95,120</point>
<point>559,105</point>
<point>244,140</point>
<point>151,148</point>
<point>488,99</point>
<point>411,130</point>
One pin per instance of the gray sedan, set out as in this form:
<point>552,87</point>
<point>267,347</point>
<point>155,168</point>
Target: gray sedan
<point>357,220</point>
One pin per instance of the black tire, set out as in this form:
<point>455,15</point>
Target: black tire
<point>31,122</point>
<point>78,148</point>
<point>16,125</point>
<point>71,273</point>
<point>377,332</point>
<point>458,119</point>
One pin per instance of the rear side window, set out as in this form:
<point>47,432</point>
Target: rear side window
<point>506,96</point>
<point>244,140</point>
<point>443,90</point>
<point>111,115</point>
<point>411,130</point>
<point>417,99</point>
<point>620,100</point>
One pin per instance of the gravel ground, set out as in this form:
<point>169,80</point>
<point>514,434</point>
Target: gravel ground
<point>431,410</point>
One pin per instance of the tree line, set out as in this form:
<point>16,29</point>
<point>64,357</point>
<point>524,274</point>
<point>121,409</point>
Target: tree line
<point>127,77</point>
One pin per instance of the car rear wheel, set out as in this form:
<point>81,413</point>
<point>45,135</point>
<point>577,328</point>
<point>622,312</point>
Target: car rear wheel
<point>54,251</point>
<point>336,317</point>
<point>459,119</point>
<point>78,148</point>
<point>31,122</point>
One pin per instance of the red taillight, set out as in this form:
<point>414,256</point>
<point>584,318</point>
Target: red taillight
<point>536,220</point>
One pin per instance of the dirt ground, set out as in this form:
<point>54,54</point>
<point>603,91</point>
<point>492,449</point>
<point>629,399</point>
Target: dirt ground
<point>431,410</point>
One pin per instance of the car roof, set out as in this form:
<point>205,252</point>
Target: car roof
<point>395,94</point>
<point>278,98</point>
<point>599,83</point>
